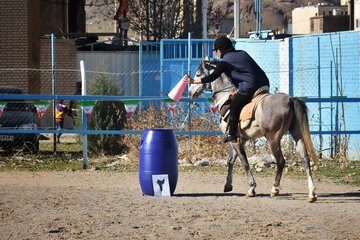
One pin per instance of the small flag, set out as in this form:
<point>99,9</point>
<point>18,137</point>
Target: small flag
<point>88,106</point>
<point>130,106</point>
<point>41,106</point>
<point>2,106</point>
<point>171,104</point>
<point>212,106</point>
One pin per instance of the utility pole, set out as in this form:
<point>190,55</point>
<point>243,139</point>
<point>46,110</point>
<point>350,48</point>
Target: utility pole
<point>204,19</point>
<point>237,19</point>
<point>258,6</point>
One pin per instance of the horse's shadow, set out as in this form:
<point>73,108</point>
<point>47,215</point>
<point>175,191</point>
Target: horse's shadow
<point>324,197</point>
<point>213,195</point>
<point>341,197</point>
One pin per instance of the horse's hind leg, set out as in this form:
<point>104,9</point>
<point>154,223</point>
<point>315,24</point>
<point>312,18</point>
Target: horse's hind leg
<point>280,163</point>
<point>300,145</point>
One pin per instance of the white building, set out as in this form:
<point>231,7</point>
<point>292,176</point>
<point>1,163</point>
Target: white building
<point>356,15</point>
<point>301,16</point>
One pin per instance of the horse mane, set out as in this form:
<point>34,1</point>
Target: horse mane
<point>212,63</point>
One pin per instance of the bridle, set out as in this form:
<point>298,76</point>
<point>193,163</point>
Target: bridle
<point>226,89</point>
<point>208,66</point>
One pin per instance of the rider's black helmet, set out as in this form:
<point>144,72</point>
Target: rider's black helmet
<point>223,44</point>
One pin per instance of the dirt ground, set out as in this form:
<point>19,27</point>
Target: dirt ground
<point>110,205</point>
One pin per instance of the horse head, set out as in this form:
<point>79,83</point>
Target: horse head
<point>221,84</point>
<point>204,69</point>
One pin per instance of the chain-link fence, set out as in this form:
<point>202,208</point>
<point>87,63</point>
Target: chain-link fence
<point>322,69</point>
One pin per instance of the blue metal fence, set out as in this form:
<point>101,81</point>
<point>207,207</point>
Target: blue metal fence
<point>322,69</point>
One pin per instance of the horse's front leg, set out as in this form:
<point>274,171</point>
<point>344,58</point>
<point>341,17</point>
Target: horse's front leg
<point>230,166</point>
<point>250,178</point>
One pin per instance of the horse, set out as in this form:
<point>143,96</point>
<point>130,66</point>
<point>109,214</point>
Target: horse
<point>274,115</point>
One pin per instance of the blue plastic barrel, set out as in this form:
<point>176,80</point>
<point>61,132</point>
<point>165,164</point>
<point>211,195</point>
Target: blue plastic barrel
<point>158,156</point>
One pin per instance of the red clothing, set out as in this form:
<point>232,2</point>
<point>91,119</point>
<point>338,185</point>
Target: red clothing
<point>122,9</point>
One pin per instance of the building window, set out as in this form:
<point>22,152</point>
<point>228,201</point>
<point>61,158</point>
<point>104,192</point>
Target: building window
<point>217,26</point>
<point>357,23</point>
<point>330,13</point>
<point>312,25</point>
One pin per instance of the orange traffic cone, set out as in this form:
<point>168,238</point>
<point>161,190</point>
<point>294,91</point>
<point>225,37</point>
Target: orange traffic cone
<point>177,92</point>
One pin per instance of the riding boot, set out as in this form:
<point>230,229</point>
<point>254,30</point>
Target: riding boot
<point>232,126</point>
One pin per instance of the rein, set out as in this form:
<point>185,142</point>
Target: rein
<point>209,67</point>
<point>220,102</point>
<point>222,90</point>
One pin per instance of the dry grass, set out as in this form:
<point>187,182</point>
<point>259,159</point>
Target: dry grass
<point>191,148</point>
<point>197,147</point>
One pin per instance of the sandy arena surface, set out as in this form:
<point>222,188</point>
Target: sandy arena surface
<point>110,205</point>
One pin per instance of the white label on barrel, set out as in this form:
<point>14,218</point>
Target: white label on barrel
<point>161,185</point>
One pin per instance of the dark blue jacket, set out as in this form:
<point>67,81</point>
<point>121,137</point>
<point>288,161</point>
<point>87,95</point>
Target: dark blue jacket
<point>246,74</point>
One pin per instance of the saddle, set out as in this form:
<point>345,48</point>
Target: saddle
<point>247,113</point>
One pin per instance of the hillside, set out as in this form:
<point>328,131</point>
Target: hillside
<point>276,14</point>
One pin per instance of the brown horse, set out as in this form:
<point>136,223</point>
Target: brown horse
<point>275,114</point>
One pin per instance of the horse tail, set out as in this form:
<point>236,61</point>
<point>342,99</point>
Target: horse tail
<point>301,114</point>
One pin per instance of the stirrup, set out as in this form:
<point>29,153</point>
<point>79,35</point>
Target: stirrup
<point>229,138</point>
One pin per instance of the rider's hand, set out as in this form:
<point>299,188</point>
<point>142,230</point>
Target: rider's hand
<point>196,80</point>
<point>187,79</point>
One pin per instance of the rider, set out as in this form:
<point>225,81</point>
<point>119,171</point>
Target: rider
<point>245,74</point>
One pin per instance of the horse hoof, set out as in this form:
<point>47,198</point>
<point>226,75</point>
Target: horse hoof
<point>228,188</point>
<point>312,199</point>
<point>250,194</point>
<point>274,194</point>
<point>275,191</point>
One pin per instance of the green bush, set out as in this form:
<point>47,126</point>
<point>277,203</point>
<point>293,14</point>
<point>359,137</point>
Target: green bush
<point>106,115</point>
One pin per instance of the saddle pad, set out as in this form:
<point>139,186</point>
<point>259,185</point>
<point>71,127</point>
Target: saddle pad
<point>249,109</point>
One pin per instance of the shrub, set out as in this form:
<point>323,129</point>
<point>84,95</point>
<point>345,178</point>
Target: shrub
<point>106,115</point>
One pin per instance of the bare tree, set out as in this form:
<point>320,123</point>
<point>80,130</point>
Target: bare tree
<point>154,20</point>
<point>188,12</point>
<point>198,19</point>
<point>216,12</point>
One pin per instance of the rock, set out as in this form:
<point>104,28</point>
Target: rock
<point>203,162</point>
<point>113,164</point>
<point>220,163</point>
<point>263,164</point>
<point>266,159</point>
<point>183,162</point>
